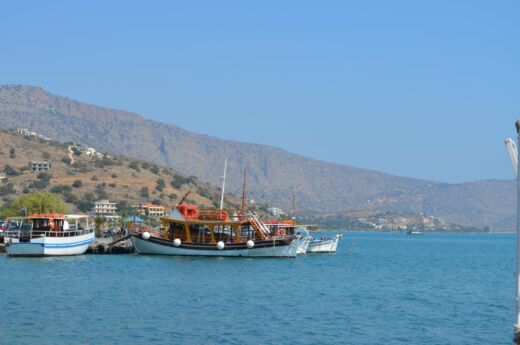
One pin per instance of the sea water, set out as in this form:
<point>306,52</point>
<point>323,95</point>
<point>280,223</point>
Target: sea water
<point>385,288</point>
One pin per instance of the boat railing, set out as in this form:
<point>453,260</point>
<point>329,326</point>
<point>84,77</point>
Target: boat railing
<point>35,233</point>
<point>257,222</point>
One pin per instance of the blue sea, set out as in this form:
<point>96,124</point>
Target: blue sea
<point>385,288</point>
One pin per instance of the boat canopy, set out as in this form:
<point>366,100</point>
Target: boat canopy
<point>47,216</point>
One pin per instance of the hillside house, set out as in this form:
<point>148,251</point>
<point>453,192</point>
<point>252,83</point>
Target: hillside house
<point>275,211</point>
<point>105,208</point>
<point>39,166</point>
<point>150,210</point>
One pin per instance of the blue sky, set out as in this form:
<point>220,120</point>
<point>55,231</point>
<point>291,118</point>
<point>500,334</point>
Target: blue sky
<point>413,88</point>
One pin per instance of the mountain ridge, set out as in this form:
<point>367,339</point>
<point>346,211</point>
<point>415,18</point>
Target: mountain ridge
<point>272,172</point>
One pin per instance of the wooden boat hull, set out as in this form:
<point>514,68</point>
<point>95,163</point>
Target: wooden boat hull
<point>267,248</point>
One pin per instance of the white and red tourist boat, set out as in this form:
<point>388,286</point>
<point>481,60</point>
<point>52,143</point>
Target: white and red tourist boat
<point>48,235</point>
<point>191,231</point>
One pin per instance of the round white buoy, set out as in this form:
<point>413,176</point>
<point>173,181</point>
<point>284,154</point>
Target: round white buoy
<point>220,245</point>
<point>250,244</point>
<point>145,235</point>
<point>177,242</point>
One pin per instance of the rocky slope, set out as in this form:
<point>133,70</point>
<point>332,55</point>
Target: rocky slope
<point>82,179</point>
<point>273,172</point>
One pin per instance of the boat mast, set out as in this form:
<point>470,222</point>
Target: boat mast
<point>243,206</point>
<point>517,323</point>
<point>293,208</point>
<point>223,185</point>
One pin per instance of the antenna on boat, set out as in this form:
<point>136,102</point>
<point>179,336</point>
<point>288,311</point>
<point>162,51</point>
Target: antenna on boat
<point>244,195</point>
<point>517,323</point>
<point>223,184</point>
<point>184,197</point>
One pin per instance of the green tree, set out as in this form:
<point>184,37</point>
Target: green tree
<point>124,208</point>
<point>99,222</point>
<point>39,203</point>
<point>77,184</point>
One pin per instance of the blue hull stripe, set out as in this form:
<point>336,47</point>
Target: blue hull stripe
<point>56,245</point>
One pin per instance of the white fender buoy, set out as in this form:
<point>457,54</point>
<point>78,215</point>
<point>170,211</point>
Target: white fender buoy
<point>145,235</point>
<point>177,242</point>
<point>220,245</point>
<point>250,244</point>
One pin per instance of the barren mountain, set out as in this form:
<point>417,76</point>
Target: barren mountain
<point>273,172</point>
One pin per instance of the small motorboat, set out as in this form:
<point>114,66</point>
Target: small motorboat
<point>325,244</point>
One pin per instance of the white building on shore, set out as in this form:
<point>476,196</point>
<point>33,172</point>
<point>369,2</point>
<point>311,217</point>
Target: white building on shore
<point>105,208</point>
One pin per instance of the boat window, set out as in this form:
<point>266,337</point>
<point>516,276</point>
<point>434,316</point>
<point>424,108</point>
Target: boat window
<point>200,233</point>
<point>176,230</point>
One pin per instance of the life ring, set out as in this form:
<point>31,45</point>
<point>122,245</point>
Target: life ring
<point>281,232</point>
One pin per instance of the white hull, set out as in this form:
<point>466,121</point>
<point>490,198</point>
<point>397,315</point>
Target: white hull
<point>324,246</point>
<point>269,248</point>
<point>303,244</point>
<point>49,246</point>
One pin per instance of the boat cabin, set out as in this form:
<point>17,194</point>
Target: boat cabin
<point>209,226</point>
<point>280,228</point>
<point>49,224</point>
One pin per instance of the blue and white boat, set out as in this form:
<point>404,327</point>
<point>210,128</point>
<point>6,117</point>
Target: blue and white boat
<point>48,235</point>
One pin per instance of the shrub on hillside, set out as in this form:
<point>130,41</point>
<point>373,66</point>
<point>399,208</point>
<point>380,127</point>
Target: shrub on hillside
<point>66,160</point>
<point>178,181</point>
<point>7,189</point>
<point>76,151</point>
<point>160,185</point>
<point>155,169</point>
<point>145,192</point>
<point>85,205</point>
<point>70,198</point>
<point>89,196</point>
<point>39,184</point>
<point>134,165</point>
<point>9,170</point>
<point>44,176</point>
<point>77,184</point>
<point>61,188</point>
<point>46,155</point>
